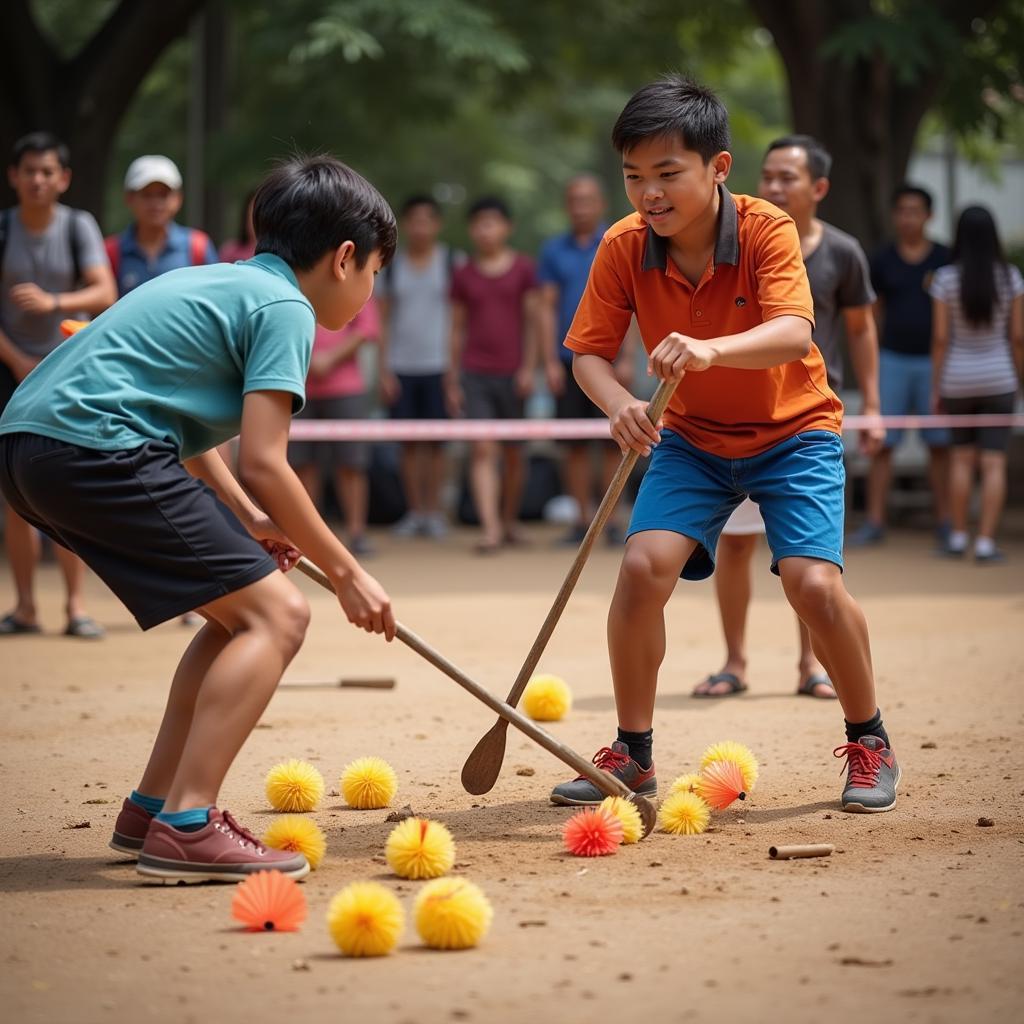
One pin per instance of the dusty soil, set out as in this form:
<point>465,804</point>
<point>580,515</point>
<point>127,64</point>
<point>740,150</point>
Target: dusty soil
<point>918,915</point>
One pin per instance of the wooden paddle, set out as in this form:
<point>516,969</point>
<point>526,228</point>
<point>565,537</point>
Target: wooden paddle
<point>483,765</point>
<point>605,782</point>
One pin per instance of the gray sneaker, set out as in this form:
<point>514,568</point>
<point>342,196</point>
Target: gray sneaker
<point>868,535</point>
<point>582,792</point>
<point>872,776</point>
<point>410,525</point>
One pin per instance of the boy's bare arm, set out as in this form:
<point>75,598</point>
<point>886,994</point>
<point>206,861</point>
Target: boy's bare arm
<point>547,304</point>
<point>99,292</point>
<point>940,345</point>
<point>862,338</point>
<point>264,471</point>
<point>627,415</point>
<point>453,387</point>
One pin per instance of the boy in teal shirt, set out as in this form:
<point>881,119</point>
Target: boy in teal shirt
<point>109,447</point>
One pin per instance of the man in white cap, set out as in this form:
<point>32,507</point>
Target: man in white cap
<point>154,243</point>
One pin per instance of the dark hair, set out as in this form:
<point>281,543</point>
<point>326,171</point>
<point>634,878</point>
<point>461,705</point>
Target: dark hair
<point>979,255</point>
<point>40,142</point>
<point>490,204</point>
<point>420,199</point>
<point>674,105</point>
<point>819,159</point>
<point>907,189</point>
<point>309,205</point>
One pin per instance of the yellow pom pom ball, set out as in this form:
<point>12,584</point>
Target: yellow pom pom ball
<point>627,813</point>
<point>547,698</point>
<point>452,913</point>
<point>299,835</point>
<point>418,848</point>
<point>365,919</point>
<point>294,786</point>
<point>730,750</point>
<point>368,783</point>
<point>684,814</point>
<point>684,784</point>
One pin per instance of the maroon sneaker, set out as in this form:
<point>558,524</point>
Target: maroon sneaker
<point>130,829</point>
<point>581,792</point>
<point>221,851</point>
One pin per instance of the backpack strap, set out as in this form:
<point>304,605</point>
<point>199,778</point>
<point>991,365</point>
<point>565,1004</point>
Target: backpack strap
<point>112,243</point>
<point>75,245</point>
<point>198,243</point>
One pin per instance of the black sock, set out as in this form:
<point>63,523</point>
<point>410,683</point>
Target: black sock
<point>640,744</point>
<point>872,727</point>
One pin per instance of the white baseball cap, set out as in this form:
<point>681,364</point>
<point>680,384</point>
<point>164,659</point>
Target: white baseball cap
<point>149,169</point>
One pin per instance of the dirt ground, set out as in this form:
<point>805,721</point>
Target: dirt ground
<point>918,916</point>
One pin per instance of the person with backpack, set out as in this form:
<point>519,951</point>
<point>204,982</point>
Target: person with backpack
<point>154,242</point>
<point>977,367</point>
<point>52,266</point>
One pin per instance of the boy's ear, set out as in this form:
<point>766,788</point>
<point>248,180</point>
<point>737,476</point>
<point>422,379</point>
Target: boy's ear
<point>344,259</point>
<point>819,189</point>
<point>722,163</point>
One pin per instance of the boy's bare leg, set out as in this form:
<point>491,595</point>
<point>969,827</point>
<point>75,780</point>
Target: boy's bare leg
<point>410,464</point>
<point>73,569</point>
<point>432,474</point>
<point>513,477</point>
<point>878,486</point>
<point>484,483</point>
<point>636,621</point>
<point>938,478</point>
<point>265,624</point>
<point>732,587</point>
<point>200,654</point>
<point>816,592</point>
<point>809,666</point>
<point>22,544</point>
<point>354,493</point>
<point>577,480</point>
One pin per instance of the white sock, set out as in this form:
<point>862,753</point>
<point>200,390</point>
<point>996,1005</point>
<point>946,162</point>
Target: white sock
<point>958,540</point>
<point>984,546</point>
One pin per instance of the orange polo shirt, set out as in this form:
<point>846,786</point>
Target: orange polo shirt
<point>755,274</point>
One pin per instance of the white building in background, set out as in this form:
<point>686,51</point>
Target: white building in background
<point>957,183</point>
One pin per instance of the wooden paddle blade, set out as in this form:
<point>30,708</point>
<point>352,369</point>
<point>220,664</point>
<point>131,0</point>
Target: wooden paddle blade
<point>648,814</point>
<point>483,766</point>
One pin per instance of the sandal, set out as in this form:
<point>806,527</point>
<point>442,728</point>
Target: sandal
<point>487,547</point>
<point>807,687</point>
<point>84,628</point>
<point>736,685</point>
<point>10,626</point>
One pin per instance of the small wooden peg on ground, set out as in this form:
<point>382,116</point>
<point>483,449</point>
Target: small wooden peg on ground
<point>792,852</point>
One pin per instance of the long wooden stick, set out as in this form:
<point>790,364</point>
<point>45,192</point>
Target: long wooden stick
<point>483,765</point>
<point>605,781</point>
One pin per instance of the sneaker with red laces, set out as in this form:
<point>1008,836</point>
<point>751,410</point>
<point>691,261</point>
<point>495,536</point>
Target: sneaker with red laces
<point>615,759</point>
<point>221,851</point>
<point>872,776</point>
<point>130,829</point>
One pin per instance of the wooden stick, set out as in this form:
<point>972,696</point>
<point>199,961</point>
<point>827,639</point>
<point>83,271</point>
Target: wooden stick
<point>792,852</point>
<point>605,781</point>
<point>483,765</point>
<point>345,683</point>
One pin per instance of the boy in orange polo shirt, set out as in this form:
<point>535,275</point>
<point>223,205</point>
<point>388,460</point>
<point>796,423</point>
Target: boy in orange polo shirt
<point>719,290</point>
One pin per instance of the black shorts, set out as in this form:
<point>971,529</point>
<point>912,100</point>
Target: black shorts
<point>421,397</point>
<point>574,403</point>
<point>989,439</point>
<point>7,386</point>
<point>491,396</point>
<point>328,456</point>
<point>159,538</point>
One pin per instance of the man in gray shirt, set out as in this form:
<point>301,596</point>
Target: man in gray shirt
<point>413,293</point>
<point>794,176</point>
<point>52,266</point>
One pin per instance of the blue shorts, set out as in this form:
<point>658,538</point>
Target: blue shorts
<point>905,389</point>
<point>799,486</point>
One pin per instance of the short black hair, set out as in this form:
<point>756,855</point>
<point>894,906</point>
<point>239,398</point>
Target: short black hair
<point>492,204</point>
<point>40,142</point>
<point>906,189</point>
<point>819,159</point>
<point>309,205</point>
<point>674,105</point>
<point>420,199</point>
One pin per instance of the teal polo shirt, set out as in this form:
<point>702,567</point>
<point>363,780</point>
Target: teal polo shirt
<point>172,361</point>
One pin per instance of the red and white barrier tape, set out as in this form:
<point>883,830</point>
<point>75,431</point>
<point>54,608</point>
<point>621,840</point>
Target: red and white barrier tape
<point>567,430</point>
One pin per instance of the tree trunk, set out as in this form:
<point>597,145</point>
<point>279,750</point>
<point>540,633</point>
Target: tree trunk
<point>82,98</point>
<point>866,115</point>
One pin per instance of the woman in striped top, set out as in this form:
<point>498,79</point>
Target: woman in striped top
<point>978,360</point>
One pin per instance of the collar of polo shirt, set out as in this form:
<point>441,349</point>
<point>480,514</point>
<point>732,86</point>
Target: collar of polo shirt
<point>727,241</point>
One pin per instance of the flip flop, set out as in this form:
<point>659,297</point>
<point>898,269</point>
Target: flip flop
<point>736,685</point>
<point>10,626</point>
<point>84,628</point>
<point>806,688</point>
